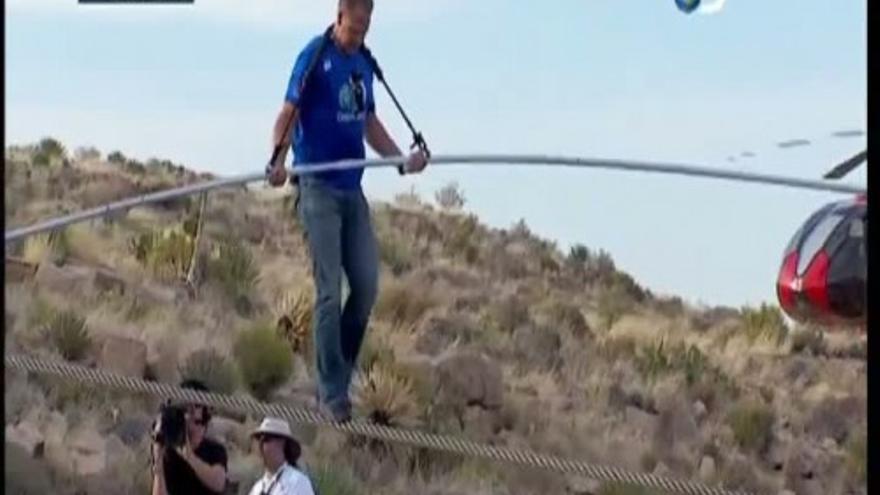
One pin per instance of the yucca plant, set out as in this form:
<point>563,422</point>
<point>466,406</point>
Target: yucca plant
<point>69,334</point>
<point>234,268</point>
<point>385,395</point>
<point>295,322</point>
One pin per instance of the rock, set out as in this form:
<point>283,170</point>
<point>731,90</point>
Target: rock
<point>19,271</point>
<point>131,430</point>
<point>641,420</point>
<point>537,346</point>
<point>579,485</point>
<point>153,295</point>
<point>56,450</point>
<point>24,474</point>
<point>124,355</point>
<point>787,492</point>
<point>805,466</point>
<point>27,436</point>
<point>707,469</point>
<point>470,379</point>
<point>676,427</point>
<point>481,425</point>
<point>67,280</point>
<point>833,418</point>
<point>436,333</point>
<point>87,449</point>
<point>107,281</point>
<point>662,470</point>
<point>384,472</point>
<point>700,410</point>
<point>231,432</point>
<point>776,455</point>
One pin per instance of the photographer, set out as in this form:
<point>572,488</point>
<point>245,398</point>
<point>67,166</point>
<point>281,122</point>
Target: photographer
<point>184,460</point>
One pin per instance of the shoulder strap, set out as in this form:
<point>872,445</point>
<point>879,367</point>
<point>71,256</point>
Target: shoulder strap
<point>314,60</point>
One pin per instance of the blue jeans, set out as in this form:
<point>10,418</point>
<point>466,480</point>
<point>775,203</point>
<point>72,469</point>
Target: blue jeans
<point>340,237</point>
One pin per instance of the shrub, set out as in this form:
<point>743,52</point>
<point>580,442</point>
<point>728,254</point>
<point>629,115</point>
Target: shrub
<point>401,304</point>
<point>135,167</point>
<point>569,316</point>
<point>505,315</point>
<point>396,254</point>
<point>765,322</point>
<point>450,197</point>
<point>166,254</point>
<point>613,349</point>
<point>653,361</point>
<point>578,255</point>
<point>410,199</point>
<point>613,303</point>
<point>334,479</point>
<point>212,369</point>
<point>520,230</point>
<point>48,151</point>
<point>117,157</point>
<point>857,450</point>
<point>69,334</point>
<point>53,247</point>
<point>656,360</point>
<point>462,241</point>
<point>84,153</point>
<point>233,266</point>
<point>39,313</point>
<point>751,424</point>
<point>808,339</point>
<point>264,361</point>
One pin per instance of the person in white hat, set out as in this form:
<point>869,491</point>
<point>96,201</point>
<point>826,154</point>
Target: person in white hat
<point>280,453</point>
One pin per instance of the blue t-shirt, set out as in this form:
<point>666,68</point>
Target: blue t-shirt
<point>332,110</point>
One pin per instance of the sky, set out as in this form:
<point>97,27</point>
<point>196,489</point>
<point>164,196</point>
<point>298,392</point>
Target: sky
<point>201,85</point>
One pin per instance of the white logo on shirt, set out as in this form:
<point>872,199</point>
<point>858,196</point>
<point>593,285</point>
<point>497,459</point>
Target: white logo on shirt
<point>326,64</point>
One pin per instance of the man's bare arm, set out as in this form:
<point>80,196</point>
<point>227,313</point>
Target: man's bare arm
<point>281,131</point>
<point>379,139</point>
<point>213,476</point>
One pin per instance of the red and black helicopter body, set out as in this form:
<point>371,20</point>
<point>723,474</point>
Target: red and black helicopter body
<point>823,278</point>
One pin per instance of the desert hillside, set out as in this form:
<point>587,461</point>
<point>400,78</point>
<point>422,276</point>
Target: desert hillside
<point>491,334</point>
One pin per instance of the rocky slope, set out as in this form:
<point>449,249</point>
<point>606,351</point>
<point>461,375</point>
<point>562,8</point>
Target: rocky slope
<point>492,334</point>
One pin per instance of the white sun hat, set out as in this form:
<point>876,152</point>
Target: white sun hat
<point>274,426</point>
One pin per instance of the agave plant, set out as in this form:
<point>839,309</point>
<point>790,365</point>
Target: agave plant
<point>386,396</point>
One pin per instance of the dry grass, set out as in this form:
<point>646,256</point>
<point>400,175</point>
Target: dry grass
<point>751,424</point>
<point>402,303</point>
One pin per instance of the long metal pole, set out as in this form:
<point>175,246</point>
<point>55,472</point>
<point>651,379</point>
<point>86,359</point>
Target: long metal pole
<point>534,160</point>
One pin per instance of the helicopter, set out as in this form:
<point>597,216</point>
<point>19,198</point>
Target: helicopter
<point>823,277</point>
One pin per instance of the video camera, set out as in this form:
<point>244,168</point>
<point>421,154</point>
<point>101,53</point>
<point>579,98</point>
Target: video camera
<point>169,429</point>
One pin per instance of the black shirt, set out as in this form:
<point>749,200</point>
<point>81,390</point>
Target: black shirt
<point>180,478</point>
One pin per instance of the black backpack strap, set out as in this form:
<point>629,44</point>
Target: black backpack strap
<point>313,62</point>
<point>325,39</point>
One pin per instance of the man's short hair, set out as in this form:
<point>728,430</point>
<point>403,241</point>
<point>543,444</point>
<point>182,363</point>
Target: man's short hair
<point>350,4</point>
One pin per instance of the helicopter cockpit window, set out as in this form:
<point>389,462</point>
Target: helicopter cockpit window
<point>816,239</point>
